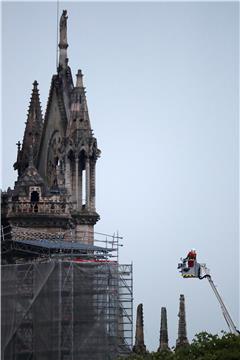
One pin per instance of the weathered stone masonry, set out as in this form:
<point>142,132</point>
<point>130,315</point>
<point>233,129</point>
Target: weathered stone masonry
<point>56,161</point>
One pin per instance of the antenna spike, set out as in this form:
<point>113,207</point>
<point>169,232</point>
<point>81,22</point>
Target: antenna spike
<point>57,35</point>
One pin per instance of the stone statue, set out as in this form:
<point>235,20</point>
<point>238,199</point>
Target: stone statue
<point>63,28</point>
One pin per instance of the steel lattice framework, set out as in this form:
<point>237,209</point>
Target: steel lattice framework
<point>58,308</point>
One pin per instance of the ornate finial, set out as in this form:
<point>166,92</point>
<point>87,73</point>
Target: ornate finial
<point>35,85</point>
<point>182,339</point>
<point>163,331</point>
<point>63,45</point>
<point>79,82</point>
<point>139,347</point>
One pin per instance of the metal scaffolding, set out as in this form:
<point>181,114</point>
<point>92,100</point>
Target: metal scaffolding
<point>61,308</point>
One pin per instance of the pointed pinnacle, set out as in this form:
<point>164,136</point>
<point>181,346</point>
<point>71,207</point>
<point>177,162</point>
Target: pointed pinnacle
<point>35,100</point>
<point>182,328</point>
<point>163,331</point>
<point>79,82</point>
<point>139,346</point>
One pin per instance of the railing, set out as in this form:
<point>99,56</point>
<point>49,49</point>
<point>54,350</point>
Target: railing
<point>40,207</point>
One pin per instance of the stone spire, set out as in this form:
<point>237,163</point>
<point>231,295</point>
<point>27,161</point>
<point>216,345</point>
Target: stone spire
<point>80,163</point>
<point>182,329</point>
<point>79,117</point>
<point>139,347</point>
<point>83,148</point>
<point>163,331</point>
<point>32,134</point>
<point>63,45</point>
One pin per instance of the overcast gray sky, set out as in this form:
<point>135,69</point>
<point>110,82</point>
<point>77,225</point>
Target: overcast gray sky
<point>162,83</point>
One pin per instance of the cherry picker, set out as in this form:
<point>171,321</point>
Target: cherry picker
<point>193,269</point>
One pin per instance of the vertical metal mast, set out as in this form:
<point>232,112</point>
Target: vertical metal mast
<point>57,35</point>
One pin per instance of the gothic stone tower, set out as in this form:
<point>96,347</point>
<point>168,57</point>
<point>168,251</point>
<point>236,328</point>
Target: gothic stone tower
<point>57,159</point>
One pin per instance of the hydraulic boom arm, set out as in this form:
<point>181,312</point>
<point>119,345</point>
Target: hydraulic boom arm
<point>225,312</point>
<point>200,271</point>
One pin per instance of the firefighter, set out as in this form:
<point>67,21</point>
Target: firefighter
<point>191,258</point>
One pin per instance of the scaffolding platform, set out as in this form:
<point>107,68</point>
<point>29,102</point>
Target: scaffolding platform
<point>67,308</point>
